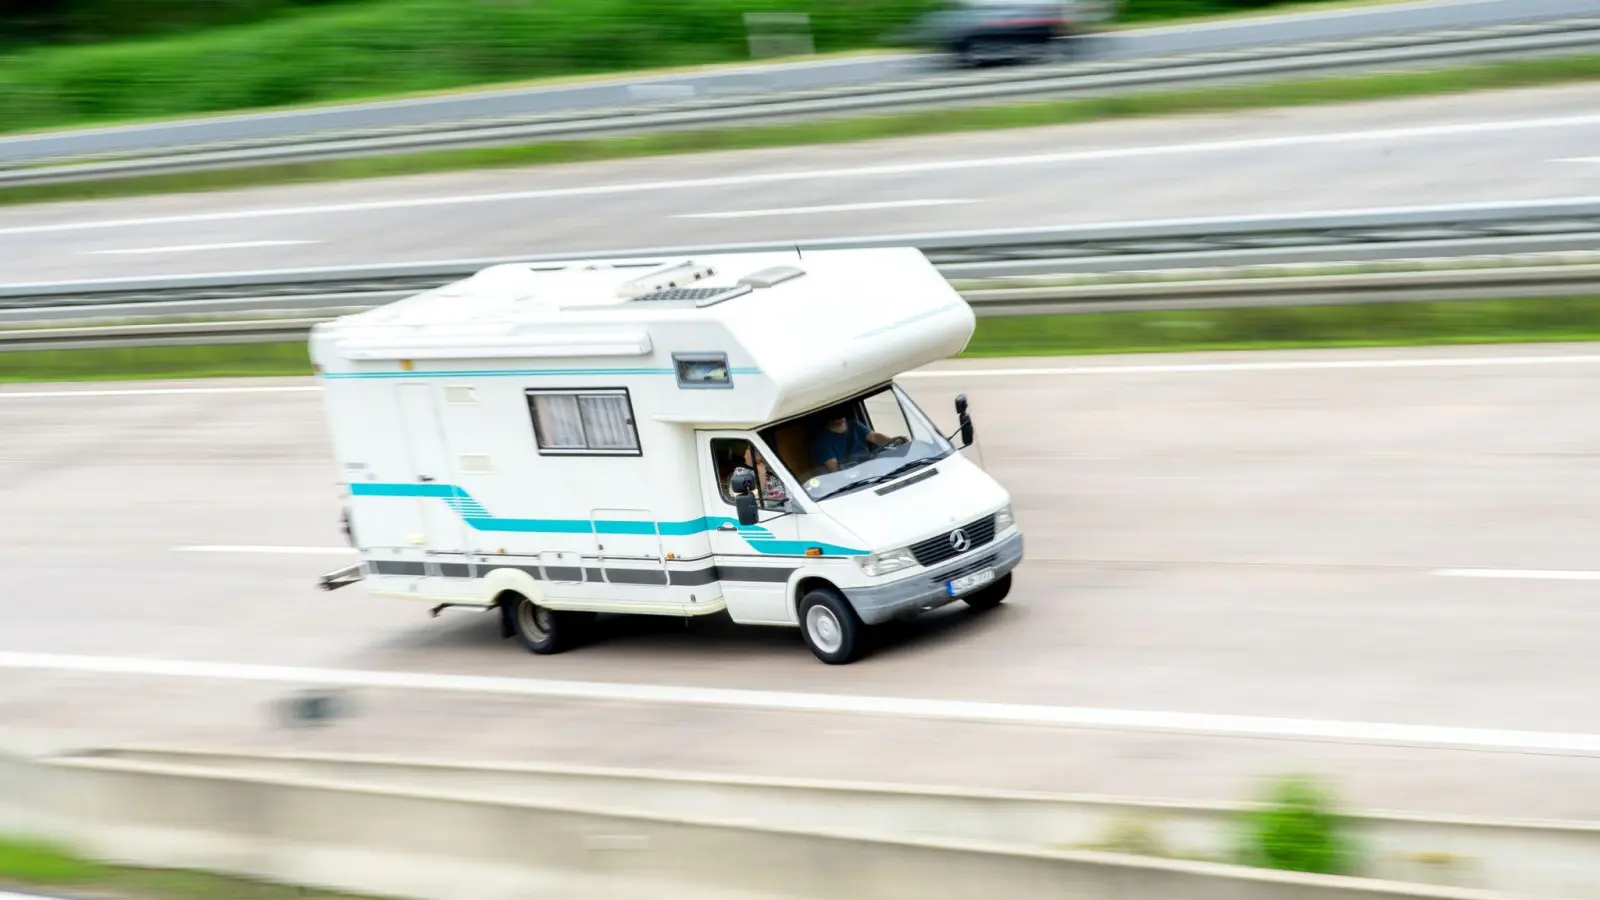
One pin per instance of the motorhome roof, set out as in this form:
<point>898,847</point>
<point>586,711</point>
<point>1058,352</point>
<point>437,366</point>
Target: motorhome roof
<point>588,291</point>
<point>811,324</point>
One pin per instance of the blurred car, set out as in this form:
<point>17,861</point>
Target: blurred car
<point>976,32</point>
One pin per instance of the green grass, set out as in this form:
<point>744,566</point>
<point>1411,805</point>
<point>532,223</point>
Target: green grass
<point>1513,74</point>
<point>196,57</point>
<point>395,46</point>
<point>42,863</point>
<point>26,863</point>
<point>1357,325</point>
<point>120,364</point>
<point>1365,325</point>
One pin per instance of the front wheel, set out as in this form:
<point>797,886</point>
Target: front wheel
<point>831,627</point>
<point>991,596</point>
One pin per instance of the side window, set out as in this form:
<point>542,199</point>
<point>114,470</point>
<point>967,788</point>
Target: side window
<point>731,454</point>
<point>586,423</point>
<point>702,370</point>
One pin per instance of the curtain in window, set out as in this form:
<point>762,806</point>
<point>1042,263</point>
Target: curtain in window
<point>605,419</point>
<point>560,422</point>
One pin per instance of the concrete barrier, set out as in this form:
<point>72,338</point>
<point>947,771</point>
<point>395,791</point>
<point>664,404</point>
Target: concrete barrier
<point>1544,859</point>
<point>431,845</point>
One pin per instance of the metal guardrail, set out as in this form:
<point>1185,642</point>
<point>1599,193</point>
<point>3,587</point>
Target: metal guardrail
<point>1569,224</point>
<point>1517,282</point>
<point>1070,79</point>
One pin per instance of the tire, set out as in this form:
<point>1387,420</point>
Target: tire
<point>991,596</point>
<point>540,630</point>
<point>831,627</point>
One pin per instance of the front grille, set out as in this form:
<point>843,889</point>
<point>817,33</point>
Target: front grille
<point>968,569</point>
<point>937,549</point>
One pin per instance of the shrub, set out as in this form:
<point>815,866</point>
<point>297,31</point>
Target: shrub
<point>1298,830</point>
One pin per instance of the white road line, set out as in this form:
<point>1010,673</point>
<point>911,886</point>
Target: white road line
<point>8,895</point>
<point>1464,362</point>
<point>1522,574</point>
<point>189,248</point>
<point>249,548</point>
<point>1582,159</point>
<point>1280,366</point>
<point>899,707</point>
<point>994,162</point>
<point>806,210</point>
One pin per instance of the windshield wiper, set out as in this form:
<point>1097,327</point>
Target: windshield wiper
<point>880,479</point>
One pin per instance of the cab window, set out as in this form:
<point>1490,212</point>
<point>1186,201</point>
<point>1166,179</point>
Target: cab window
<point>731,454</point>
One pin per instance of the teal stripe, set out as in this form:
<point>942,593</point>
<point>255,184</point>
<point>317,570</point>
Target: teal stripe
<point>906,321</point>
<point>518,373</point>
<point>759,538</point>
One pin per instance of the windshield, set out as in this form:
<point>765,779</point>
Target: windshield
<point>867,440</point>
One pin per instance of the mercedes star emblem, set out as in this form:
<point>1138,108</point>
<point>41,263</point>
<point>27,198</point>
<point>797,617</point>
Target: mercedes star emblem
<point>960,541</point>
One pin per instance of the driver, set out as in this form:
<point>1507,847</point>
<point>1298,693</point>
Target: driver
<point>845,439</point>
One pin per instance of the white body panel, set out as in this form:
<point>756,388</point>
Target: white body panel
<point>457,495</point>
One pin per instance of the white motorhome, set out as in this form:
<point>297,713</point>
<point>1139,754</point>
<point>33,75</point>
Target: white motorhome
<point>696,437</point>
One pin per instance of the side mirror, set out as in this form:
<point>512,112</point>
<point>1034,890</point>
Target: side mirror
<point>743,484</point>
<point>746,506</point>
<point>966,420</point>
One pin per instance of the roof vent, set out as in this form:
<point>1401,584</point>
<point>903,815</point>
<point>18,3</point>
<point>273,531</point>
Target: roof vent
<point>768,277</point>
<point>665,278</point>
<point>698,296</point>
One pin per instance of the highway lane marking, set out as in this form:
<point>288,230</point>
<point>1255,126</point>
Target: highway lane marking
<point>262,548</point>
<point>1054,371</point>
<point>1582,159</point>
<point>1522,574</point>
<point>806,210</point>
<point>894,169</point>
<point>1281,366</point>
<point>1494,739</point>
<point>190,248</point>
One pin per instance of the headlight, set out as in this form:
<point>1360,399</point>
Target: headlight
<point>1004,519</point>
<point>884,563</point>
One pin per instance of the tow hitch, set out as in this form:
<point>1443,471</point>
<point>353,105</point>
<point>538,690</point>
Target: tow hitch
<point>339,578</point>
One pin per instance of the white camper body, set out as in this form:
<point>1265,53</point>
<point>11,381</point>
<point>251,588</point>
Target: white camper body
<point>557,442</point>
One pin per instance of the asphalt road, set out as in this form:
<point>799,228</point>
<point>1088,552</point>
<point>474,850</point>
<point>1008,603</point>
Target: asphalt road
<point>1272,542</point>
<point>1430,15</point>
<point>1461,149</point>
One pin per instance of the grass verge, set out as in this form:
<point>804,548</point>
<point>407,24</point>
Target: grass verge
<point>1511,74</point>
<point>32,864</point>
<point>1298,327</point>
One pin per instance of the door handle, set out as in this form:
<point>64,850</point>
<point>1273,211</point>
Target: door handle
<point>727,526</point>
<point>424,477</point>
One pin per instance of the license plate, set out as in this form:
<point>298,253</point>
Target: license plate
<point>968,582</point>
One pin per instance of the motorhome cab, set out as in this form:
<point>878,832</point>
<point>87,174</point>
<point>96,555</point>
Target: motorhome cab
<point>688,438</point>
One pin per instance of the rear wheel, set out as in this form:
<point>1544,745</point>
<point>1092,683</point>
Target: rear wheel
<point>831,627</point>
<point>541,630</point>
<point>991,596</point>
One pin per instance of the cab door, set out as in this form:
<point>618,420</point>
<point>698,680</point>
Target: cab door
<point>753,563</point>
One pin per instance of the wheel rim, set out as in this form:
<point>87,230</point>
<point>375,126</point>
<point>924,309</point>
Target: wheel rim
<point>824,628</point>
<point>534,620</point>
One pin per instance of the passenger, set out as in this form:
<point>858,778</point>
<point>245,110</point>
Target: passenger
<point>844,440</point>
<point>772,491</point>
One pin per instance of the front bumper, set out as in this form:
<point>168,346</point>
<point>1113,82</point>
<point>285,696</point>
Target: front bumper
<point>925,590</point>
